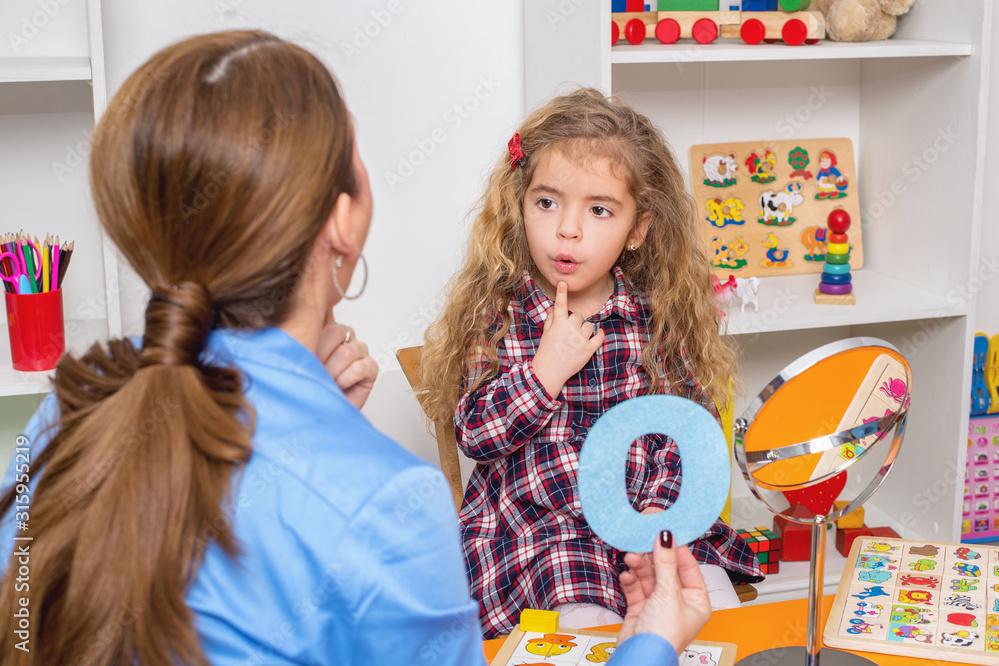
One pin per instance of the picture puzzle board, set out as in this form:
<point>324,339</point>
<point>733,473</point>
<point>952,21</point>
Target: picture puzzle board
<point>918,599</point>
<point>571,647</point>
<point>980,517</point>
<point>762,205</point>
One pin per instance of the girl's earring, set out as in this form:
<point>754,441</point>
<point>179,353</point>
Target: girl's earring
<point>633,248</point>
<point>336,282</point>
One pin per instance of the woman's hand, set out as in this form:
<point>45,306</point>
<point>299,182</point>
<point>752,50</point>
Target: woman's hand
<point>666,595</point>
<point>347,360</point>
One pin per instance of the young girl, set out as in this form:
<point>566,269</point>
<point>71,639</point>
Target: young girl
<point>584,286</point>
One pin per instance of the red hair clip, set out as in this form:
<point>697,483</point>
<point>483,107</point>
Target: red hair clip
<point>517,157</point>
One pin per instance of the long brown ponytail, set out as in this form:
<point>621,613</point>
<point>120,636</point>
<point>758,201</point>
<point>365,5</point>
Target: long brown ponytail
<point>213,171</point>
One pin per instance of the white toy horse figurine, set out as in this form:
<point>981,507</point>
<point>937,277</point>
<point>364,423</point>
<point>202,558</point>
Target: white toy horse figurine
<point>748,291</point>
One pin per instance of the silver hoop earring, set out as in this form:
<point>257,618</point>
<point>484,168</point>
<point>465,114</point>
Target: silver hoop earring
<point>364,281</point>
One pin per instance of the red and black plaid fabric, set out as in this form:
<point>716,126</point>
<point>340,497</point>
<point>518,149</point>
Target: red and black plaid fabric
<point>526,542</point>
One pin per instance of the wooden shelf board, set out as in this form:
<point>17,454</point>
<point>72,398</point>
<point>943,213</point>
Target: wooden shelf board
<point>787,304</point>
<point>735,51</point>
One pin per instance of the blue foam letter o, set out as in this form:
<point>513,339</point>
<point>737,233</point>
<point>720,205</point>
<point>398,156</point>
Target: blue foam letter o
<point>703,455</point>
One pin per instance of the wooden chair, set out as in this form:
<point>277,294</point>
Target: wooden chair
<point>447,447</point>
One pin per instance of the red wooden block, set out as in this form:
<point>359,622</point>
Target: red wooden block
<point>796,540</point>
<point>884,532</point>
<point>846,536</point>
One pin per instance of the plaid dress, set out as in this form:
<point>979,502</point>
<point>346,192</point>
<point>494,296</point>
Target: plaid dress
<point>526,542</point>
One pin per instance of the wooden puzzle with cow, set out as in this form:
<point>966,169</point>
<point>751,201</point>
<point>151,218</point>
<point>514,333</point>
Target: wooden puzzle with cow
<point>763,206</point>
<point>918,599</point>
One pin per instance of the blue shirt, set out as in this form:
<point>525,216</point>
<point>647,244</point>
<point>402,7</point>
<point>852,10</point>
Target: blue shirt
<point>350,549</point>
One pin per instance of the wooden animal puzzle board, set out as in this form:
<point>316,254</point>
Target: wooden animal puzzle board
<point>918,599</point>
<point>762,205</point>
<point>569,647</point>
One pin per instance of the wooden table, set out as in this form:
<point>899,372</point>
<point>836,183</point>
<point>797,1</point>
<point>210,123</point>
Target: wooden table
<point>756,628</point>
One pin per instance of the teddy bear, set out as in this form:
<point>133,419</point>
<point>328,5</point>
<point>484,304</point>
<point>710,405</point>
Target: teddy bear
<point>861,20</point>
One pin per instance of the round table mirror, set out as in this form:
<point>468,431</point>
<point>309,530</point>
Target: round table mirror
<point>827,428</point>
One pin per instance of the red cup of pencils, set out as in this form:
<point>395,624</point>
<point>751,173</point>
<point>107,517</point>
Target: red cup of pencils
<point>32,275</point>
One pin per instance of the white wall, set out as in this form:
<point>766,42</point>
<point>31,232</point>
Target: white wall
<point>436,93</point>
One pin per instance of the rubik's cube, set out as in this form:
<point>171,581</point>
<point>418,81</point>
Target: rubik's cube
<point>767,545</point>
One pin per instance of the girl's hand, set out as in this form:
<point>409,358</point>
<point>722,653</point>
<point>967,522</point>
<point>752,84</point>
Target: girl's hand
<point>567,344</point>
<point>347,360</point>
<point>666,596</point>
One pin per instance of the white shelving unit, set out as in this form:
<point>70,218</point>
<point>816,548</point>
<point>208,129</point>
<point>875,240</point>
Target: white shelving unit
<point>52,89</point>
<point>32,70</point>
<point>915,107</point>
<point>732,51</point>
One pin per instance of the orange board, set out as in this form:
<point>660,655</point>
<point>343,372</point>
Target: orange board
<point>757,628</point>
<point>836,393</point>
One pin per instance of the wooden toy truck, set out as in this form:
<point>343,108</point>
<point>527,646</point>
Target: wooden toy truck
<point>754,21</point>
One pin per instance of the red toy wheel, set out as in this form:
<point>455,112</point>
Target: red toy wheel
<point>634,31</point>
<point>615,33</point>
<point>668,31</point>
<point>704,31</point>
<point>753,31</point>
<point>794,32</point>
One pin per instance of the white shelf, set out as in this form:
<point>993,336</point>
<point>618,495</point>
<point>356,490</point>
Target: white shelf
<point>787,304</point>
<point>80,334</point>
<point>792,581</point>
<point>18,70</point>
<point>735,51</point>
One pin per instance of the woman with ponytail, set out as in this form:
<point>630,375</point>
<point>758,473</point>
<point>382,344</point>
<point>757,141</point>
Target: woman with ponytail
<point>209,493</point>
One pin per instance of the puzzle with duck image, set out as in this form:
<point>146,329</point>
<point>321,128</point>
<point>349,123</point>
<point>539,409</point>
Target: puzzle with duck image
<point>918,599</point>
<point>762,206</point>
<point>558,646</point>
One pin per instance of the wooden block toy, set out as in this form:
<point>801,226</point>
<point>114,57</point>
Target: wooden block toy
<point>767,545</point>
<point>845,538</point>
<point>853,519</point>
<point>836,286</point>
<point>796,540</point>
<point>752,21</point>
<point>540,621</point>
<point>884,533</point>
<point>794,28</point>
<point>759,5</point>
<point>688,5</point>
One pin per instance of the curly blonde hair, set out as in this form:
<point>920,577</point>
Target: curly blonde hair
<point>670,267</point>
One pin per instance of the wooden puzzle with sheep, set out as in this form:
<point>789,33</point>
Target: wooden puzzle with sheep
<point>763,205</point>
